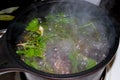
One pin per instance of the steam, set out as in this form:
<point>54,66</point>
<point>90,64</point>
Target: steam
<point>91,33</point>
<point>86,13</point>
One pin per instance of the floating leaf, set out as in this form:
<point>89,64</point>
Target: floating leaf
<point>90,63</point>
<point>33,25</point>
<point>20,52</point>
<point>8,10</point>
<point>6,17</point>
<point>35,65</point>
<point>29,53</point>
<point>73,59</point>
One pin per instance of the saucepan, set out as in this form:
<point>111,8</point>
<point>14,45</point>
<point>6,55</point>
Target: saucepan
<point>60,40</point>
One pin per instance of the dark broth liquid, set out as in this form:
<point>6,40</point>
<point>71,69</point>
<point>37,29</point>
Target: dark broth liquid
<point>60,45</point>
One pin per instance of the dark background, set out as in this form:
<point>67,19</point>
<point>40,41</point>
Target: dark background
<point>113,7</point>
<point>13,3</point>
<point>9,3</point>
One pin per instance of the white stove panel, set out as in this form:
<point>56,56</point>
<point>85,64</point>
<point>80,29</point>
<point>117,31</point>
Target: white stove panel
<point>114,72</point>
<point>96,2</point>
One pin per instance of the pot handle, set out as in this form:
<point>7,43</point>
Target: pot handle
<point>6,63</point>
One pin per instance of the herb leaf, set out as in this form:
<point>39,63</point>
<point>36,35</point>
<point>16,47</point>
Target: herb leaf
<point>8,10</point>
<point>5,17</point>
<point>90,63</point>
<point>33,25</point>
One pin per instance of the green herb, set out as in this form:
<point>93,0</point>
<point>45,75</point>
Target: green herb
<point>59,23</point>
<point>33,25</point>
<point>90,63</point>
<point>34,44</point>
<point>34,64</point>
<point>74,61</point>
<point>84,30</point>
<point>75,57</point>
<point>35,47</point>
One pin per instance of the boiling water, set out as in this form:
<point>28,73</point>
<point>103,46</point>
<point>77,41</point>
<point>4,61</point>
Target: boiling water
<point>70,40</point>
<point>72,47</point>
